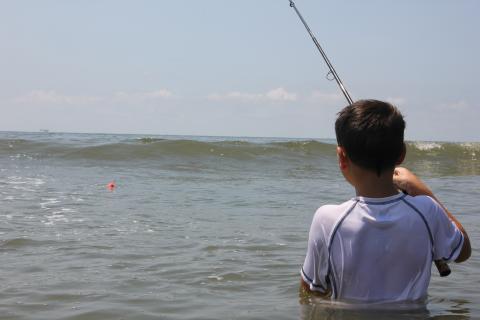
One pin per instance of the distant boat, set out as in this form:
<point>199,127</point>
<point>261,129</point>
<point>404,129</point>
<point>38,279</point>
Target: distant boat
<point>44,130</point>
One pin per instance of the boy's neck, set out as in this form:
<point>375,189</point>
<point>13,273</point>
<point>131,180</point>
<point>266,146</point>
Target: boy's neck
<point>370,185</point>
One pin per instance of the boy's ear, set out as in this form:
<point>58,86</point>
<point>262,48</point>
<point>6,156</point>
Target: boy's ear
<point>342,158</point>
<point>402,155</point>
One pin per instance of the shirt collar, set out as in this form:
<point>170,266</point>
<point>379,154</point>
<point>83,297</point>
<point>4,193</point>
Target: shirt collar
<point>386,200</point>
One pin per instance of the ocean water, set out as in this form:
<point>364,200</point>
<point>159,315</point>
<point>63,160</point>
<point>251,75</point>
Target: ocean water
<point>196,228</point>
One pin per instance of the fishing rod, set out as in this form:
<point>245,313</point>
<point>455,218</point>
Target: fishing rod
<point>442,266</point>
<point>324,55</point>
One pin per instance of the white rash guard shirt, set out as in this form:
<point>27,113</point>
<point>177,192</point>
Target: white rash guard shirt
<point>379,249</point>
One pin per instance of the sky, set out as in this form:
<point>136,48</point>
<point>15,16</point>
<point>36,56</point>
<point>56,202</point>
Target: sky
<point>236,68</point>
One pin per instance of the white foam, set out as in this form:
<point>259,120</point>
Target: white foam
<point>427,146</point>
<point>16,180</point>
<point>48,202</point>
<point>473,148</point>
<point>54,218</point>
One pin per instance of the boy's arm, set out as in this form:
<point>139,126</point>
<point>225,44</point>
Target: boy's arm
<point>405,180</point>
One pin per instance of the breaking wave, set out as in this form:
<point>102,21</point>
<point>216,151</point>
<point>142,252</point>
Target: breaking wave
<point>149,148</point>
<point>439,157</point>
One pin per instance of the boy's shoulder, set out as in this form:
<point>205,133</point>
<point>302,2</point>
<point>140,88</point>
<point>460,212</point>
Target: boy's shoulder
<point>328,214</point>
<point>422,201</point>
<point>428,208</point>
<point>334,208</point>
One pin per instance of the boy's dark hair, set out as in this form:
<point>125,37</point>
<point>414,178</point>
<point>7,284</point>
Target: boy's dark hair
<point>371,132</point>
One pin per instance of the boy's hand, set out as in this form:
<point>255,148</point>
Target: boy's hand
<point>405,180</point>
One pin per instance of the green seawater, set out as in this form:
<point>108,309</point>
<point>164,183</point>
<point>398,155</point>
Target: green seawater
<point>196,228</point>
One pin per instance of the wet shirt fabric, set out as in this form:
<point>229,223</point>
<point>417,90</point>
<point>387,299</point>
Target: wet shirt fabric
<point>378,249</point>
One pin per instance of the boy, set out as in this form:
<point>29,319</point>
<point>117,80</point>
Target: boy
<point>379,246</point>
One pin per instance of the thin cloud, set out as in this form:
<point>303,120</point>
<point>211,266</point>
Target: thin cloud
<point>234,95</point>
<point>136,97</point>
<point>397,101</point>
<point>460,105</point>
<point>274,95</point>
<point>280,94</point>
<point>52,97</point>
<point>325,98</point>
<point>162,93</point>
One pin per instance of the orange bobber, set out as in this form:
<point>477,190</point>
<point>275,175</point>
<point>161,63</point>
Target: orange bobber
<point>111,185</point>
